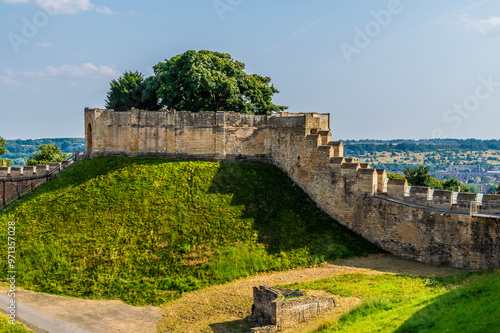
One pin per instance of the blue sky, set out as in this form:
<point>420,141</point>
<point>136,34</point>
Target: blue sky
<point>383,69</point>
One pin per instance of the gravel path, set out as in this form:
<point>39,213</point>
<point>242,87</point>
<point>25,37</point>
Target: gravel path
<point>92,316</point>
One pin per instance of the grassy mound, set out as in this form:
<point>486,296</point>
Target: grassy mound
<point>146,230</point>
<point>399,303</point>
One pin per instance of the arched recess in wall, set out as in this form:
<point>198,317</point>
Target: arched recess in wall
<point>88,138</point>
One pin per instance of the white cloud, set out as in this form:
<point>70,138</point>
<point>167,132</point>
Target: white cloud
<point>15,1</point>
<point>105,10</point>
<point>81,71</point>
<point>489,26</point>
<point>43,44</point>
<point>66,6</point>
<point>69,6</point>
<point>7,81</point>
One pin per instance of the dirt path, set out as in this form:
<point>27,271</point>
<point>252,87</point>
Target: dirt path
<point>224,308</point>
<point>90,315</point>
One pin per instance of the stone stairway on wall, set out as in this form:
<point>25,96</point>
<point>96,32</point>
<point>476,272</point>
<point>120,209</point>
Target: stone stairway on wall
<point>376,182</point>
<point>437,227</point>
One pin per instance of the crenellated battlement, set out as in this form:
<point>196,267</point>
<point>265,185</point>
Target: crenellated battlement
<point>23,173</point>
<point>18,181</point>
<point>375,182</point>
<point>439,227</point>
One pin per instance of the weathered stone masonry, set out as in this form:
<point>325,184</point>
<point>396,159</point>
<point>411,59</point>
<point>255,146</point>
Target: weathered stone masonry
<point>381,210</point>
<point>13,180</point>
<point>277,308</point>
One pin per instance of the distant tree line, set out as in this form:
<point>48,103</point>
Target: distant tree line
<point>19,151</point>
<point>403,146</point>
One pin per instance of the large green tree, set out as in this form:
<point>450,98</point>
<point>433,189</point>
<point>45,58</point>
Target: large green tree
<point>3,151</point>
<point>419,176</point>
<point>210,81</point>
<point>2,146</point>
<point>46,154</point>
<point>494,189</point>
<point>127,92</point>
<point>453,184</point>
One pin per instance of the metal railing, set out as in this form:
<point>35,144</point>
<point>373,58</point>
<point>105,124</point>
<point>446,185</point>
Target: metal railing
<point>491,209</point>
<point>34,184</point>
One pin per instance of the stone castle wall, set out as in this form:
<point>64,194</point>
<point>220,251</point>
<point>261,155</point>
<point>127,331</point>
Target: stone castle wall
<point>15,180</point>
<point>413,224</point>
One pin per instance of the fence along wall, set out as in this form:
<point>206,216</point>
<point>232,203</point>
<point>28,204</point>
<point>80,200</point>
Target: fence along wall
<point>16,181</point>
<point>381,210</point>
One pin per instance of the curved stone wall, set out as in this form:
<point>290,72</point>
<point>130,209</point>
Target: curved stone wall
<point>436,227</point>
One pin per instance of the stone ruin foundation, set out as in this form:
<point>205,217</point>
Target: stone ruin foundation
<point>277,308</point>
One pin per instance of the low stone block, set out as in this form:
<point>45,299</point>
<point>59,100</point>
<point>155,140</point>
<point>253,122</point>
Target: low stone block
<point>42,170</point>
<point>397,188</point>
<point>29,171</point>
<point>278,308</point>
<point>16,172</point>
<point>4,171</point>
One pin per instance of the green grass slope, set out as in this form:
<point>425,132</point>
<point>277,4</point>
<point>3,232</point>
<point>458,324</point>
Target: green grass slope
<point>404,304</point>
<point>146,230</point>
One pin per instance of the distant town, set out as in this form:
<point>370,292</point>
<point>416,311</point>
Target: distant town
<point>473,162</point>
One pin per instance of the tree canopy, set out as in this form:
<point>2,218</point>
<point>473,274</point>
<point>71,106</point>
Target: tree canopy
<point>46,154</point>
<point>127,93</point>
<point>196,81</point>
<point>2,146</point>
<point>3,151</point>
<point>420,177</point>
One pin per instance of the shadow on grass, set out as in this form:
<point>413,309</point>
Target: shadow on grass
<point>146,234</point>
<point>284,217</point>
<point>474,307</point>
<point>234,326</point>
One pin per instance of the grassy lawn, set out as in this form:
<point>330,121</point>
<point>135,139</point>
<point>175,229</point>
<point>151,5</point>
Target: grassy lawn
<point>6,327</point>
<point>399,303</point>
<point>147,230</point>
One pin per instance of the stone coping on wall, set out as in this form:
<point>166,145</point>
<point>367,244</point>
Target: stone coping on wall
<point>283,119</point>
<point>399,189</point>
<point>30,172</point>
